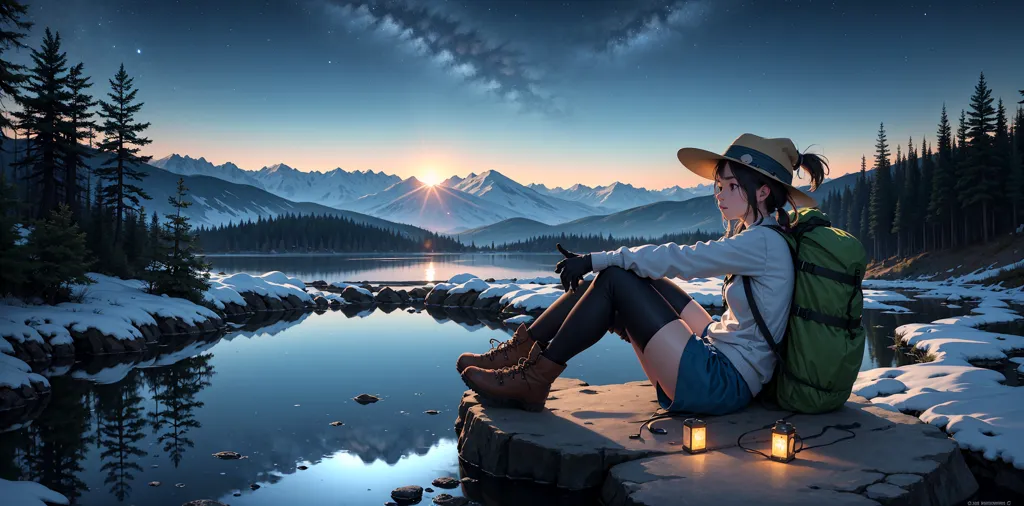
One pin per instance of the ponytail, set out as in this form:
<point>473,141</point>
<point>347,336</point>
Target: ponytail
<point>816,166</point>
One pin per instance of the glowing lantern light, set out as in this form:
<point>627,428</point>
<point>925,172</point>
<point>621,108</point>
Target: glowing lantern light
<point>783,442</point>
<point>695,436</point>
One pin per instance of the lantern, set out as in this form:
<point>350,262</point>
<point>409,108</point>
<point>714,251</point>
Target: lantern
<point>695,435</point>
<point>783,442</point>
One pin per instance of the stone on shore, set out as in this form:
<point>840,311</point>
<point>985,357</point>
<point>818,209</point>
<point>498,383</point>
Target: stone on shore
<point>581,441</point>
<point>387,296</point>
<point>436,297</point>
<point>354,296</point>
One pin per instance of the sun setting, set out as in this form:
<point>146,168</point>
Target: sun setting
<point>430,177</point>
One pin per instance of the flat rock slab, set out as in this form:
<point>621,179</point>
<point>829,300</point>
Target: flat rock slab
<point>581,441</point>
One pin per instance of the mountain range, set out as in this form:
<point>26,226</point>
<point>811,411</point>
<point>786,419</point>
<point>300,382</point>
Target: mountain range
<point>478,208</point>
<point>454,205</point>
<point>651,220</point>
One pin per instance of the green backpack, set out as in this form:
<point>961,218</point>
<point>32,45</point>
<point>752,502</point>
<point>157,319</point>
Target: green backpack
<point>821,354</point>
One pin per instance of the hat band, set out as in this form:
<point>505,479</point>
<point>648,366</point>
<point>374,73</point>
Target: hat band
<point>760,160</point>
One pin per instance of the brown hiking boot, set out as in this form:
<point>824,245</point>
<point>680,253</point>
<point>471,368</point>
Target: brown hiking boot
<point>525,385</point>
<point>505,354</point>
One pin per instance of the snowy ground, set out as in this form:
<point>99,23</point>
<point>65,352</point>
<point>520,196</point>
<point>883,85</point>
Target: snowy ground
<point>969,402</point>
<point>117,308</point>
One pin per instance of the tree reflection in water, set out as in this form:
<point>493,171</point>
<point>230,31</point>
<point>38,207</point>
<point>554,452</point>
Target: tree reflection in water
<point>118,409</point>
<point>174,390</point>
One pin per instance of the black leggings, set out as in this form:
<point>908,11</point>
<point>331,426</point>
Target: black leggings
<point>616,298</point>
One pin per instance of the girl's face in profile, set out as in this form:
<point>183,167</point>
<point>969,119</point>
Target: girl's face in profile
<point>731,199</point>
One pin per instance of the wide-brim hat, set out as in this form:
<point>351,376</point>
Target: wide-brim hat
<point>775,158</point>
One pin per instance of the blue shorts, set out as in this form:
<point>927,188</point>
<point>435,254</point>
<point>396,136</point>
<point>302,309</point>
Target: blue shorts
<point>708,383</point>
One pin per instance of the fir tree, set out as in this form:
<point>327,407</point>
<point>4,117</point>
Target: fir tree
<point>909,196</point>
<point>13,28</point>
<point>155,256</point>
<point>122,142</point>
<point>1001,159</point>
<point>79,119</point>
<point>979,185</point>
<point>45,106</point>
<point>960,166</point>
<point>184,274</point>
<point>925,192</point>
<point>881,195</point>
<point>13,268</point>
<point>1015,179</point>
<point>859,189</point>
<point>57,254</point>
<point>943,194</point>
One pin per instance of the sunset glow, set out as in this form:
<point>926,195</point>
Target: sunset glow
<point>431,177</point>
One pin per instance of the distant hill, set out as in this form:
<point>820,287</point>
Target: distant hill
<point>651,220</point>
<point>217,202</point>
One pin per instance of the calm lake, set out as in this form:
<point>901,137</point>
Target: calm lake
<point>269,391</point>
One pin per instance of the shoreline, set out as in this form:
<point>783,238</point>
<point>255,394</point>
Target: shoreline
<point>177,326</point>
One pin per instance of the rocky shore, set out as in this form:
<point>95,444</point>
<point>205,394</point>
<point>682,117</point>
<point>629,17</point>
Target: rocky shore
<point>581,442</point>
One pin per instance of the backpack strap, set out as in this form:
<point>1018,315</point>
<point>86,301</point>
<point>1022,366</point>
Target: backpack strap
<point>758,319</point>
<point>768,337</point>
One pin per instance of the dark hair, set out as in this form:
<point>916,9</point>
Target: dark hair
<point>778,196</point>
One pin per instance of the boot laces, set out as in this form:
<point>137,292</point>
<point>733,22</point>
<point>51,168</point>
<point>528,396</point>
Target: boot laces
<point>512,370</point>
<point>501,346</point>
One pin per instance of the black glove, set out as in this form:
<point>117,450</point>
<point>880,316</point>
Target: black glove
<point>572,268</point>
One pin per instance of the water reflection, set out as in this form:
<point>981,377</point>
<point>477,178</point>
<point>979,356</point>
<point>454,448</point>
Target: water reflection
<point>118,411</point>
<point>404,267</point>
<point>269,390</point>
<point>174,389</point>
<point>880,326</point>
<point>52,450</point>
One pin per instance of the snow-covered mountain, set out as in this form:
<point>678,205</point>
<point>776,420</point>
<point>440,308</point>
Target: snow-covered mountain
<point>333,188</point>
<point>620,196</point>
<point>679,193</point>
<point>436,208</point>
<point>188,166</point>
<point>493,186</point>
<point>490,195</point>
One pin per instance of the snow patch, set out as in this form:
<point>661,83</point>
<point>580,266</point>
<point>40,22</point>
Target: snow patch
<point>972,404</point>
<point>343,285</point>
<point>516,320</point>
<point>15,374</point>
<point>29,493</point>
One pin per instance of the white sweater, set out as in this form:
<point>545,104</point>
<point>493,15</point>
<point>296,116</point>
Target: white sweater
<point>758,252</point>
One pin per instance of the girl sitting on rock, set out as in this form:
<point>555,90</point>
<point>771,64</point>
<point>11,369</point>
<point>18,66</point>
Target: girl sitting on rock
<point>697,365</point>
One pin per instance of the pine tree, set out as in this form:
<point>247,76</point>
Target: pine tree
<point>909,196</point>
<point>122,142</point>
<point>943,196</point>
<point>960,167</point>
<point>1015,179</point>
<point>881,196</point>
<point>924,194</point>
<point>979,185</point>
<point>13,28</point>
<point>79,119</point>
<point>898,221</point>
<point>13,268</point>
<point>184,274</point>
<point>156,254</point>
<point>859,189</point>
<point>57,253</point>
<point>45,106</point>
<point>1001,159</point>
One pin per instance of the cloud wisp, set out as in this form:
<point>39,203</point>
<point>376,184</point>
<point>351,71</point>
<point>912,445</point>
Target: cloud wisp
<point>486,66</point>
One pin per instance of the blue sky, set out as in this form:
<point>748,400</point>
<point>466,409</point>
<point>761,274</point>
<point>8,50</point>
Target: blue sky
<point>550,92</point>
